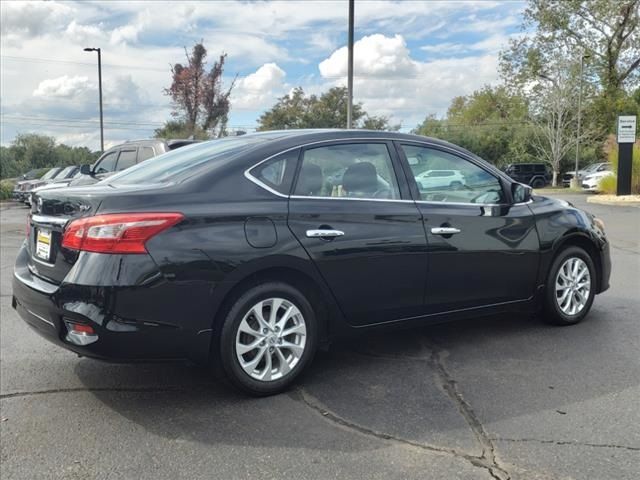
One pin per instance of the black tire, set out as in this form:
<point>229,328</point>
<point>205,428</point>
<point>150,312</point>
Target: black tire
<point>227,339</point>
<point>538,183</point>
<point>552,312</point>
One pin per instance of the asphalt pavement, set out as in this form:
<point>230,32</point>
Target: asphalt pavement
<point>496,397</point>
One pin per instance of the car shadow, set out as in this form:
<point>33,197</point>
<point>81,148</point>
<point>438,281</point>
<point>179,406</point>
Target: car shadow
<point>390,382</point>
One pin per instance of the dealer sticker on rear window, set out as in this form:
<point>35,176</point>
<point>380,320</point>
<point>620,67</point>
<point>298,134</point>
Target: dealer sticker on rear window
<point>43,244</point>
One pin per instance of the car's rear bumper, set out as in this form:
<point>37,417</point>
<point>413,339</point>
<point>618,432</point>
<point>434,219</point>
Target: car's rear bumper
<point>127,325</point>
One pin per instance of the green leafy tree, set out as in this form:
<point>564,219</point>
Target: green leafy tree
<point>606,31</point>
<point>33,151</point>
<point>199,99</point>
<point>329,110</point>
<point>491,122</point>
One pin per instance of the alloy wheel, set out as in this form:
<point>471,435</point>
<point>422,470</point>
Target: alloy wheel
<point>573,286</point>
<point>271,339</point>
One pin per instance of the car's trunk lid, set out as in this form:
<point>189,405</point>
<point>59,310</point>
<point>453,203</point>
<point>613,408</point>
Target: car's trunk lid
<point>51,212</point>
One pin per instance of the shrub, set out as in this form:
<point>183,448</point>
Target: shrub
<point>6,187</point>
<point>608,185</point>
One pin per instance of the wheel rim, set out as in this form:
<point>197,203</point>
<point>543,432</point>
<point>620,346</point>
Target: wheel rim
<point>271,339</point>
<point>573,286</point>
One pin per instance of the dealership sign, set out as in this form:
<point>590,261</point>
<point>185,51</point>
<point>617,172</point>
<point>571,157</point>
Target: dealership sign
<point>627,129</point>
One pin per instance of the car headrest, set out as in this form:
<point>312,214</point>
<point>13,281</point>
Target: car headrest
<point>360,178</point>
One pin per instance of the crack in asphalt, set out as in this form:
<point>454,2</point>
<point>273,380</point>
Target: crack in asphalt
<point>314,404</point>
<point>450,386</point>
<point>169,389</point>
<point>487,460</point>
<point>566,442</point>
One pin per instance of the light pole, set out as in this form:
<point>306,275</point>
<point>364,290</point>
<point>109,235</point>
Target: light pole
<point>350,68</point>
<point>576,180</point>
<point>88,49</point>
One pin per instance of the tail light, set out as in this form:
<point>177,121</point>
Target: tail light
<point>117,232</point>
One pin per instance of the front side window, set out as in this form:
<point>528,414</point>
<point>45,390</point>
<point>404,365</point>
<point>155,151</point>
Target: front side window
<point>444,177</point>
<point>277,172</point>
<point>126,159</point>
<point>107,163</point>
<point>359,170</point>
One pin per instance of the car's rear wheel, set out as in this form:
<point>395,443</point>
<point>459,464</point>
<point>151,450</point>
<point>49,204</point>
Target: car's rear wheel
<point>571,287</point>
<point>268,337</point>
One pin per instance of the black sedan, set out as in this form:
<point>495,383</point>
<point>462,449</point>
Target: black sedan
<point>248,253</point>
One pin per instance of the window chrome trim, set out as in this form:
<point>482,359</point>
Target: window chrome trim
<point>310,197</point>
<point>468,204</point>
<point>426,144</point>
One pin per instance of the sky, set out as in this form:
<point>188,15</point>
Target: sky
<point>411,58</point>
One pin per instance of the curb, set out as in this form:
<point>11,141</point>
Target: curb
<point>623,200</point>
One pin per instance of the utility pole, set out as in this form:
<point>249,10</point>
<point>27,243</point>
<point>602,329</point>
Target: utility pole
<point>576,180</point>
<point>100,93</point>
<point>350,69</point>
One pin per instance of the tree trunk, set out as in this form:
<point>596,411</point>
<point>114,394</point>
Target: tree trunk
<point>554,182</point>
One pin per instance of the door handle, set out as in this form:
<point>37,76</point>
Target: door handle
<point>445,230</point>
<point>322,233</point>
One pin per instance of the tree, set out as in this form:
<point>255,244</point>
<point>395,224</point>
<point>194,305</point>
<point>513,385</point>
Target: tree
<point>607,31</point>
<point>491,122</point>
<point>199,99</point>
<point>296,110</point>
<point>556,119</point>
<point>29,151</point>
<point>179,129</point>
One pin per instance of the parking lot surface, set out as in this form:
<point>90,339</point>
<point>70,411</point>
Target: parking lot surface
<point>498,397</point>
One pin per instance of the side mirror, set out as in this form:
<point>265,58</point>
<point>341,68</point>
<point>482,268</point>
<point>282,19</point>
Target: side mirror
<point>86,170</point>
<point>520,193</point>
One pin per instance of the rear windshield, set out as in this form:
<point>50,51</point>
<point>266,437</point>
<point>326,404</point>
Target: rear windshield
<point>181,163</point>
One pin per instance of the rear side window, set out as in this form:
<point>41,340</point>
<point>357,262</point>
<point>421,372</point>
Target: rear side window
<point>107,163</point>
<point>540,168</point>
<point>360,170</point>
<point>277,172</point>
<point>145,153</point>
<point>126,159</point>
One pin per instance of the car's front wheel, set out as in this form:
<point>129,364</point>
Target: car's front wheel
<point>571,287</point>
<point>268,337</point>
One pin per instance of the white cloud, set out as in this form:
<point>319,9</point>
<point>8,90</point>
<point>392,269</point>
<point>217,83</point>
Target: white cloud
<point>259,88</point>
<point>389,82</point>
<point>43,65</point>
<point>31,19</point>
<point>83,33</point>
<point>64,86</point>
<point>373,55</point>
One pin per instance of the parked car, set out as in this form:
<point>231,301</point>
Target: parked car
<point>591,182</point>
<point>124,156</point>
<point>593,168</point>
<point>26,177</point>
<point>23,189</point>
<point>431,179</point>
<point>57,183</point>
<point>237,253</point>
<point>61,179</point>
<point>535,174</point>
